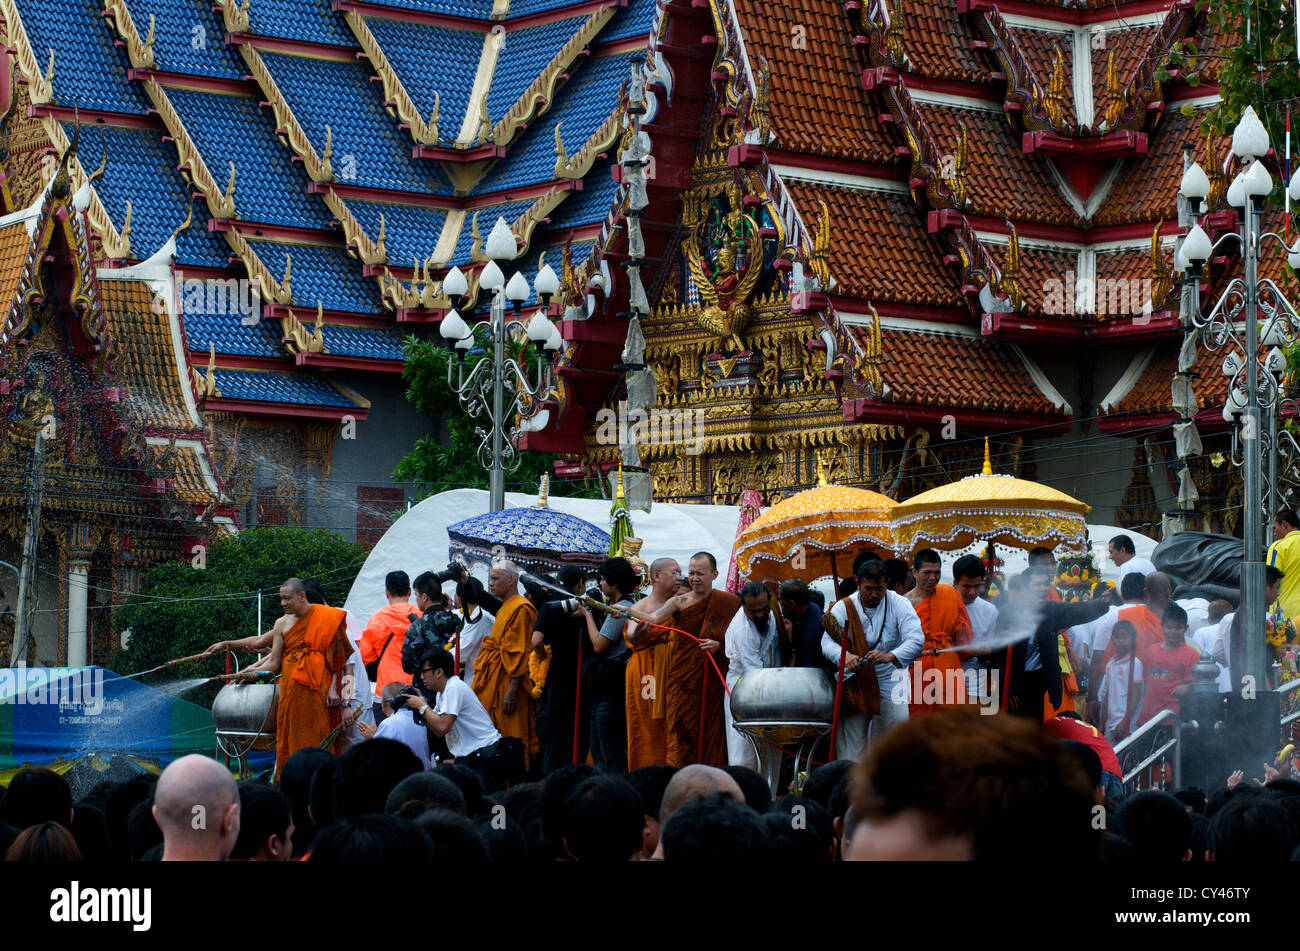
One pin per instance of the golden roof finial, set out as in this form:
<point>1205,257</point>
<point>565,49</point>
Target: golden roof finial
<point>1054,101</point>
<point>288,266</point>
<point>1114,95</point>
<point>433,117</point>
<point>476,249</point>
<point>1161,284</point>
<point>318,337</point>
<point>228,199</point>
<point>542,490</point>
<point>821,470</point>
<point>125,233</point>
<point>1010,280</point>
<point>561,154</point>
<point>1214,172</point>
<point>326,167</point>
<point>988,467</point>
<point>379,241</point>
<point>619,495</point>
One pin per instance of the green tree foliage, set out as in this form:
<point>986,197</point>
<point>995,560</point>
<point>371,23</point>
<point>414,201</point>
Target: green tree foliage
<point>434,467</point>
<point>180,609</point>
<point>1261,71</point>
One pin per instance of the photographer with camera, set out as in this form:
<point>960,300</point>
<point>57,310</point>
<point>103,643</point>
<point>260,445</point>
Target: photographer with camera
<point>381,642</point>
<point>434,628</point>
<point>460,717</point>
<point>603,674</point>
<point>397,725</point>
<point>559,626</point>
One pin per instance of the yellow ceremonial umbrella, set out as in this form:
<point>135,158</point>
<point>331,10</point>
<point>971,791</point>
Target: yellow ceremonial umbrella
<point>993,508</point>
<point>799,537</point>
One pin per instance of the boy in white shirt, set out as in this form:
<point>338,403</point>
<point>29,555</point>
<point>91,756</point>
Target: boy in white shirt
<point>1121,685</point>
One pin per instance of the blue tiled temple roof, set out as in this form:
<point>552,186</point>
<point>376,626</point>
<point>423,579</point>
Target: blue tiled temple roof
<point>477,9</point>
<point>410,231</point>
<point>372,342</point>
<point>268,186</point>
<point>636,18</point>
<point>428,58</point>
<point>325,274</point>
<point>280,388</point>
<point>88,70</point>
<point>368,147</point>
<point>230,335</point>
<point>585,101</point>
<point>524,54</point>
<point>188,38</point>
<point>593,203</point>
<point>310,20</point>
<point>523,8</point>
<point>142,169</point>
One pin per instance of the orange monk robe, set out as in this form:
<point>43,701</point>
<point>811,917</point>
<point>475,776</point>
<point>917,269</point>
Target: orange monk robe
<point>646,700</point>
<point>502,657</point>
<point>946,624</point>
<point>695,692</point>
<point>1150,630</point>
<point>315,650</point>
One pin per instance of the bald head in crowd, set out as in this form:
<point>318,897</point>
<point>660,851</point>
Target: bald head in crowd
<point>692,782</point>
<point>1158,589</point>
<point>196,804</point>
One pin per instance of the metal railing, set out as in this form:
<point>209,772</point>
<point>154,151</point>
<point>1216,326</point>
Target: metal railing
<point>1150,753</point>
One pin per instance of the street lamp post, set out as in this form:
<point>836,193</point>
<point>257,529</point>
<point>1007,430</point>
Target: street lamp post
<point>498,389</point>
<point>1253,386</point>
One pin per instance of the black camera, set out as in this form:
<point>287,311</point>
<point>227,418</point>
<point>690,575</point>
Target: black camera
<point>398,702</point>
<point>451,573</point>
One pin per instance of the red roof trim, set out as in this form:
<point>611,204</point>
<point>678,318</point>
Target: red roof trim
<point>291,410</point>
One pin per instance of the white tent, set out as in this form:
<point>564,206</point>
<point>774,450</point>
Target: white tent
<point>418,540</point>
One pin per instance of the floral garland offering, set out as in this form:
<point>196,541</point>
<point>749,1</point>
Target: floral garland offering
<point>1278,629</point>
<point>538,668</point>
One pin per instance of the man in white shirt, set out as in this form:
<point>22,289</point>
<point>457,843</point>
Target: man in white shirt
<point>893,639</point>
<point>1124,555</point>
<point>751,644</point>
<point>460,716</point>
<point>398,724</point>
<point>969,578</point>
<point>478,625</point>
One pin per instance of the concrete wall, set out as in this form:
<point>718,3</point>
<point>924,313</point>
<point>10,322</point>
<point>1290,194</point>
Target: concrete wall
<point>388,433</point>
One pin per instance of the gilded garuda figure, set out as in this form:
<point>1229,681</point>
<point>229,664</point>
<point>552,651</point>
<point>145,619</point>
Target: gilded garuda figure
<point>728,280</point>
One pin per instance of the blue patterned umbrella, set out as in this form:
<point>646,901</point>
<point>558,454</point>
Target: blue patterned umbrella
<point>534,537</point>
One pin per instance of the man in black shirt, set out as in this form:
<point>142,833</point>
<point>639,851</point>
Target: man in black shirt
<point>562,631</point>
<point>1034,666</point>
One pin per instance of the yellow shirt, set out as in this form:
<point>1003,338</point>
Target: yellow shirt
<point>1284,554</point>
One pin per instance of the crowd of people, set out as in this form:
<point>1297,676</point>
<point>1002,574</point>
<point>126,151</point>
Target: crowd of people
<point>537,718</point>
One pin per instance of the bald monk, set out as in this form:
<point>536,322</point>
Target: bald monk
<point>353,671</point>
<point>694,690</point>
<point>946,624</point>
<point>693,782</point>
<point>646,700</point>
<point>1147,617</point>
<point>501,667</point>
<point>310,656</point>
<point>189,788</point>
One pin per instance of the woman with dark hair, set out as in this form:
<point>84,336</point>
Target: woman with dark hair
<point>603,675</point>
<point>47,842</point>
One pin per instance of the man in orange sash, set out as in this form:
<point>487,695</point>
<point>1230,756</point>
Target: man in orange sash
<point>694,691</point>
<point>501,668</point>
<point>310,656</point>
<point>646,700</point>
<point>946,624</point>
<point>1147,617</point>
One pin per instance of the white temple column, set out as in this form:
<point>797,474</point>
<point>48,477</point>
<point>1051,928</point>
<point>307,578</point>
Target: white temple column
<point>78,599</point>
